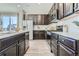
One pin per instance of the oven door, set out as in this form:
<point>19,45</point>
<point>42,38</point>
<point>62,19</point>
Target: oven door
<point>65,51</point>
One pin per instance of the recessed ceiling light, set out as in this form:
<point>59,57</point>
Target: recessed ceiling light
<point>38,3</point>
<point>18,5</point>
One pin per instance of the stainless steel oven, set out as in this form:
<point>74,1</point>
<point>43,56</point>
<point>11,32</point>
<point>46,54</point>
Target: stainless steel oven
<point>69,42</point>
<point>65,51</point>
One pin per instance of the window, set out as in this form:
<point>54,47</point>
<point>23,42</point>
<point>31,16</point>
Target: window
<point>5,23</point>
<point>13,22</point>
<point>9,22</point>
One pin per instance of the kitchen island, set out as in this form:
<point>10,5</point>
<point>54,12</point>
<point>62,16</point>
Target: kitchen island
<point>14,43</point>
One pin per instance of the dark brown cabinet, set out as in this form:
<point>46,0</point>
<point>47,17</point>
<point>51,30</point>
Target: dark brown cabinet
<point>68,9</point>
<point>39,35</point>
<point>21,49</point>
<point>10,51</point>
<point>48,37</point>
<point>15,45</point>
<point>76,7</point>
<point>38,19</point>
<point>26,41</point>
<point>41,20</point>
<point>60,10</point>
<point>54,44</point>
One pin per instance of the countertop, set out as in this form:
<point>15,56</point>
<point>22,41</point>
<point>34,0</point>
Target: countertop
<point>4,35</point>
<point>67,34</point>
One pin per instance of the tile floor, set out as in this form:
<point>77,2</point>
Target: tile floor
<point>38,48</point>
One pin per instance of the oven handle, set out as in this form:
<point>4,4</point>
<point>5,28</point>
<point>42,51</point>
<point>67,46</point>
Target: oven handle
<point>68,38</point>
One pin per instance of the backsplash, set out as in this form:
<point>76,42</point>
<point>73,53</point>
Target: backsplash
<point>72,27</point>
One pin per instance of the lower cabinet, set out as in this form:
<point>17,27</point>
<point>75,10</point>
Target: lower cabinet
<point>21,47</point>
<point>54,44</point>
<point>38,34</point>
<point>48,37</point>
<point>18,48</point>
<point>54,50</point>
<point>26,41</point>
<point>10,51</point>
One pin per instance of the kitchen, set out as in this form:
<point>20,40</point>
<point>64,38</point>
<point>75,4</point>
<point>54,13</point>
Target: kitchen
<point>33,29</point>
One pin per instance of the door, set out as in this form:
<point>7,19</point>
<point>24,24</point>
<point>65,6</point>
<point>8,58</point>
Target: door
<point>21,47</point>
<point>10,51</point>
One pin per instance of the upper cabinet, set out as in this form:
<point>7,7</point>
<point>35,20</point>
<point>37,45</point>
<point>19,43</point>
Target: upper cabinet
<point>68,9</point>
<point>76,7</point>
<point>61,10</point>
<point>53,13</point>
<point>38,19</point>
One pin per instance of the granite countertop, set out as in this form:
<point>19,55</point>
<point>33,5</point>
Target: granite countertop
<point>67,34</point>
<point>4,35</point>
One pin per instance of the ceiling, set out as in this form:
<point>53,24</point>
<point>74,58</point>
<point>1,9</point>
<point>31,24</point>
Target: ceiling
<point>29,8</point>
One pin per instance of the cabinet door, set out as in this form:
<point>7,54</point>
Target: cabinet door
<point>46,20</point>
<point>1,54</point>
<point>36,35</point>
<point>54,50</point>
<point>68,9</point>
<point>41,35</point>
<point>26,41</point>
<point>76,6</point>
<point>11,51</point>
<point>60,10</point>
<point>21,47</point>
